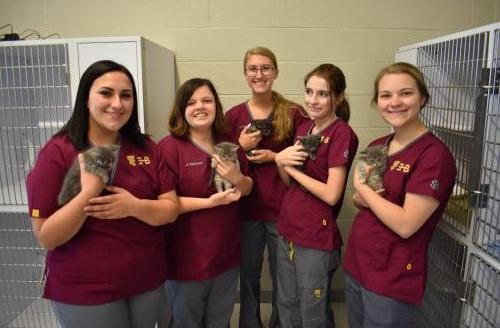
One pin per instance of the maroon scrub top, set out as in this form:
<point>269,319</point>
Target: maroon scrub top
<point>204,243</point>
<point>264,202</point>
<point>106,260</point>
<point>377,257</point>
<point>305,219</point>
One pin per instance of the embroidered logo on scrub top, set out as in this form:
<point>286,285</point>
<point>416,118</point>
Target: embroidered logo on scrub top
<point>188,164</point>
<point>138,160</point>
<point>434,184</point>
<point>346,154</point>
<point>325,140</point>
<point>400,166</point>
<point>35,213</point>
<point>408,267</point>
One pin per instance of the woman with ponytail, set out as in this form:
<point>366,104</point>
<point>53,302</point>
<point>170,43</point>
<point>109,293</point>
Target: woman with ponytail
<point>279,119</point>
<point>310,241</point>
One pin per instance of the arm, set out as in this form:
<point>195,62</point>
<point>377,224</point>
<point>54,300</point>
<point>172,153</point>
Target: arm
<point>231,172</point>
<point>249,141</point>
<point>63,224</point>
<point>405,220</point>
<point>328,192</point>
<point>191,204</point>
<point>122,204</point>
<point>290,156</point>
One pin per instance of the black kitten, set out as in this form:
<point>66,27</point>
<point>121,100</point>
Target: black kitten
<point>265,126</point>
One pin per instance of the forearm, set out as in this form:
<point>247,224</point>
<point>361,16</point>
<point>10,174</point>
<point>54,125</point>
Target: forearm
<point>391,215</point>
<point>283,175</point>
<point>156,212</point>
<point>244,185</point>
<point>63,224</point>
<point>191,204</point>
<point>319,189</point>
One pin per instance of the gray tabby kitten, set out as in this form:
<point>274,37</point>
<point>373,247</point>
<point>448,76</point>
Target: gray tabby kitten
<point>227,152</point>
<point>376,157</point>
<point>98,160</point>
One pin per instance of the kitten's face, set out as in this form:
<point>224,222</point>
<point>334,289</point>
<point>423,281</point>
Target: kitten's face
<point>311,142</point>
<point>226,151</point>
<point>265,127</point>
<point>101,157</point>
<point>374,156</point>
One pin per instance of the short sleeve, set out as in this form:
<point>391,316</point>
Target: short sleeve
<point>298,117</point>
<point>435,173</point>
<point>170,158</point>
<point>343,147</point>
<point>165,174</point>
<point>44,182</point>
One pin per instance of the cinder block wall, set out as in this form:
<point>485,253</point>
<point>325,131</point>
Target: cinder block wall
<point>209,38</point>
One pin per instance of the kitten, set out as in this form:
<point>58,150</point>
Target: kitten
<point>98,160</point>
<point>227,151</point>
<point>376,157</point>
<point>265,126</point>
<point>311,143</point>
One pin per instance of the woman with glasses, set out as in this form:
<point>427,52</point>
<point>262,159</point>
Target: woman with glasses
<point>203,244</point>
<point>279,118</point>
<point>310,240</point>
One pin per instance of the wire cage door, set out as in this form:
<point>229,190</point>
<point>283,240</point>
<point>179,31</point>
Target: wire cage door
<point>462,72</point>
<point>34,101</point>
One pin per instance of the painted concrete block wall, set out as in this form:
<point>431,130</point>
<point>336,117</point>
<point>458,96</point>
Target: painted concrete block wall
<point>209,38</point>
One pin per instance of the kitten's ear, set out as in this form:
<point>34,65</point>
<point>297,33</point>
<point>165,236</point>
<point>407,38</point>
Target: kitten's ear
<point>234,147</point>
<point>114,148</point>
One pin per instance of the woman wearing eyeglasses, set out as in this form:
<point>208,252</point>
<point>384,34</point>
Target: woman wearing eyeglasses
<point>260,210</point>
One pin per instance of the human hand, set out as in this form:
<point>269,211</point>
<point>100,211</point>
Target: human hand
<point>228,170</point>
<point>118,205</point>
<point>91,183</point>
<point>225,197</point>
<point>293,155</point>
<point>260,156</point>
<point>249,140</point>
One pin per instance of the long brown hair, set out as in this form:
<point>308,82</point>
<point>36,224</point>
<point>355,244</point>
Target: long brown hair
<point>282,107</point>
<point>336,81</point>
<point>177,124</point>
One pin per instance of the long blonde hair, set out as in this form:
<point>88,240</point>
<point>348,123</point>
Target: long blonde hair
<point>282,107</point>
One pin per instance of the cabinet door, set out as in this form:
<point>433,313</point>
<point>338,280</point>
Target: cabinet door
<point>122,52</point>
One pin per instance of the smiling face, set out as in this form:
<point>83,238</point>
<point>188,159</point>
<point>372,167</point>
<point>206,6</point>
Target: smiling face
<point>319,99</point>
<point>200,109</point>
<point>260,73</point>
<point>110,104</point>
<point>399,100</point>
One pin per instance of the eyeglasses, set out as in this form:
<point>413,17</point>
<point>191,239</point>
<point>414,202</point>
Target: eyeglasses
<point>265,70</point>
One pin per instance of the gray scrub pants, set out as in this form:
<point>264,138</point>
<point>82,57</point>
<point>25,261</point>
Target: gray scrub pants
<point>254,237</point>
<point>140,311</point>
<point>366,309</point>
<point>203,304</point>
<point>304,280</point>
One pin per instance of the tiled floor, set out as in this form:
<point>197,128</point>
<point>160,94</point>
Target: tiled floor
<point>339,310</point>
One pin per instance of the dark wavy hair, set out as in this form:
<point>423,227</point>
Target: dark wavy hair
<point>336,81</point>
<point>177,124</point>
<point>77,126</point>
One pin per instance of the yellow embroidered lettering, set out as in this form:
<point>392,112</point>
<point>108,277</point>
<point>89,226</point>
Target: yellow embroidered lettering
<point>131,160</point>
<point>394,165</point>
